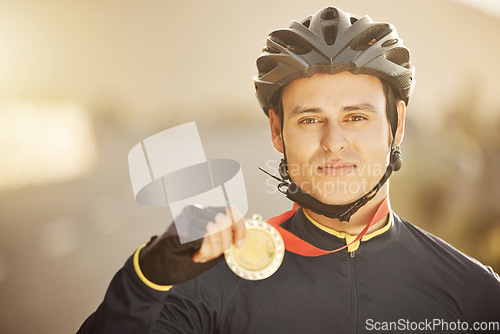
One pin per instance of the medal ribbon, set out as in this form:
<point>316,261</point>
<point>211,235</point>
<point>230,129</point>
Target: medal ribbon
<point>299,246</point>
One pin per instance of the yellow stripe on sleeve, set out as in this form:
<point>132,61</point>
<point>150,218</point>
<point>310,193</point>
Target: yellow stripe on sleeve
<point>143,278</point>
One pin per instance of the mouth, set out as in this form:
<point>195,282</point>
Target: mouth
<point>337,169</point>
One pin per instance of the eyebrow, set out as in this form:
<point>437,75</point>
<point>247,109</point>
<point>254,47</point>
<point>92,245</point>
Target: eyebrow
<point>300,109</point>
<point>361,106</point>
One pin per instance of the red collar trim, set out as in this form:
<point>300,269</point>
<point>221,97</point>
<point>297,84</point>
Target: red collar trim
<point>298,246</point>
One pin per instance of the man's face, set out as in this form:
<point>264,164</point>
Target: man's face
<point>336,135</point>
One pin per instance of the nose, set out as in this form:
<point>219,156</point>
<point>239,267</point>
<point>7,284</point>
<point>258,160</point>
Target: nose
<point>333,138</point>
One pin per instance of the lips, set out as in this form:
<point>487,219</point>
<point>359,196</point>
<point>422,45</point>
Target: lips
<point>337,169</point>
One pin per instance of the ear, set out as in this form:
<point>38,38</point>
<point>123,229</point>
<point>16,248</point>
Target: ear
<point>401,123</point>
<point>275,122</point>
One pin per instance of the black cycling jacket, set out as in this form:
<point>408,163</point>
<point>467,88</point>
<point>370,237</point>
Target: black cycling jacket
<point>402,280</point>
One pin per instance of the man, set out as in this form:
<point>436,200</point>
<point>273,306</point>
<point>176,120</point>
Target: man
<point>335,87</point>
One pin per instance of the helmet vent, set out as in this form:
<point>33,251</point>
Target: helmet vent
<point>291,41</point>
<point>353,20</point>
<point>330,34</point>
<point>390,42</point>
<point>271,50</point>
<point>266,65</point>
<point>329,14</point>
<point>307,22</point>
<point>400,56</point>
<point>369,36</point>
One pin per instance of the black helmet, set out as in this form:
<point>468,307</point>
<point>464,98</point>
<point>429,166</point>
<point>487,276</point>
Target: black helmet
<point>331,42</point>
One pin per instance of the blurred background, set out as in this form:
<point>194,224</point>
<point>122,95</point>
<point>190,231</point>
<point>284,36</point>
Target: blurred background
<point>81,82</point>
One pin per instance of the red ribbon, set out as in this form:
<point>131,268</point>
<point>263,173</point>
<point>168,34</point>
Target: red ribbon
<point>298,246</point>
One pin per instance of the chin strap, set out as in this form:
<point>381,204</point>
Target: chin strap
<point>340,212</point>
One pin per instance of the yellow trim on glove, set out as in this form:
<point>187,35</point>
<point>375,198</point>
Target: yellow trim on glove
<point>143,278</point>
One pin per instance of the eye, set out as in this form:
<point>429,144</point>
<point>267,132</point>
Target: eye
<point>309,120</point>
<point>357,118</point>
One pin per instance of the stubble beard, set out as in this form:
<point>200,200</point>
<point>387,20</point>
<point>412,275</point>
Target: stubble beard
<point>336,189</point>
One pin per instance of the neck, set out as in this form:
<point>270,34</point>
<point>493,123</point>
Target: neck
<point>359,220</point>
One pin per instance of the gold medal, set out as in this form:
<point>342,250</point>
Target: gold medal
<point>261,254</point>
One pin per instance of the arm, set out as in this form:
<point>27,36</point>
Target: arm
<point>137,293</point>
<point>129,306</point>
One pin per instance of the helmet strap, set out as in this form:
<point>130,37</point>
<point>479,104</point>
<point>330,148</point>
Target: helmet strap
<point>341,212</point>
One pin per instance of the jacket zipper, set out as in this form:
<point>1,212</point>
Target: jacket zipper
<point>354,297</point>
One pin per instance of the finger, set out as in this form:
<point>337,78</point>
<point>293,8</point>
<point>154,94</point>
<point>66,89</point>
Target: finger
<point>238,227</point>
<point>223,223</point>
<point>221,235</point>
<point>235,214</point>
<point>205,252</point>
<point>239,233</point>
<point>217,240</point>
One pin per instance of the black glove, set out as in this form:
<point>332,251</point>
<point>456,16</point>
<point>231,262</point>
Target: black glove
<point>165,261</point>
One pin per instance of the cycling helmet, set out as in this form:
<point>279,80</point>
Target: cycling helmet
<point>331,42</point>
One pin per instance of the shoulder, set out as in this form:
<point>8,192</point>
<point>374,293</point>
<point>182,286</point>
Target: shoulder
<point>434,249</point>
<point>475,287</point>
